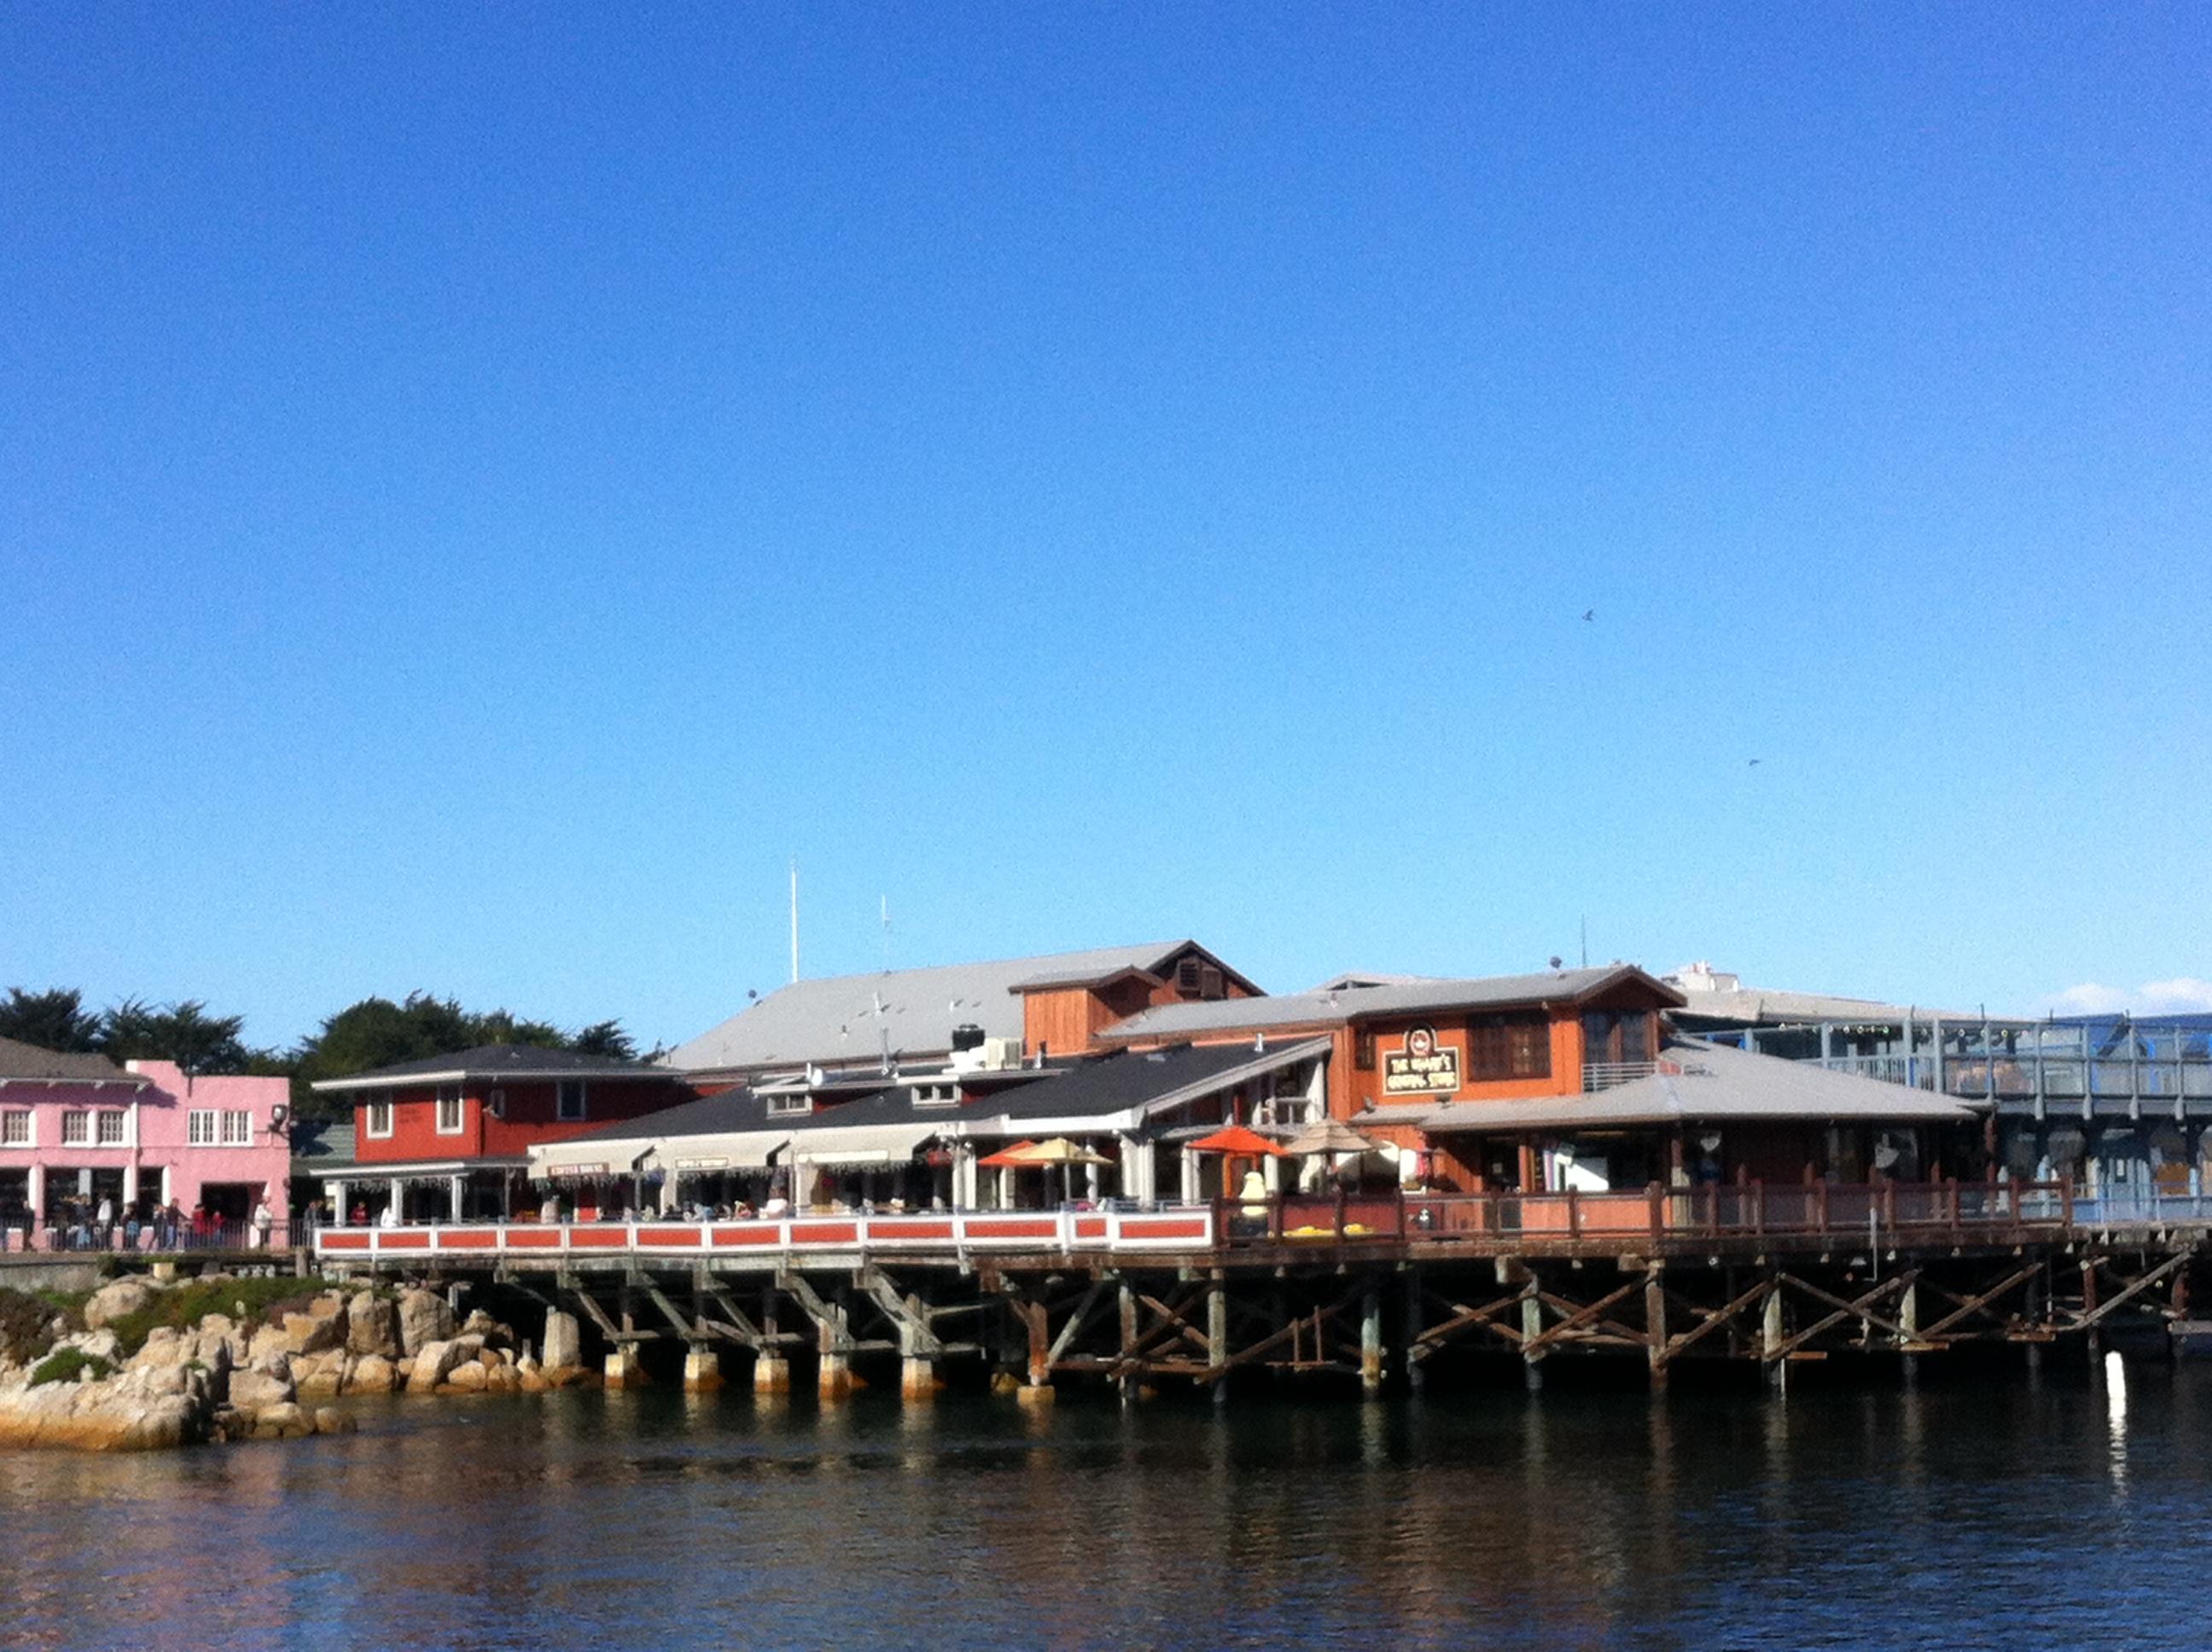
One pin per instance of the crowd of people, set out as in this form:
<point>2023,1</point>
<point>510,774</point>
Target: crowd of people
<point>79,1223</point>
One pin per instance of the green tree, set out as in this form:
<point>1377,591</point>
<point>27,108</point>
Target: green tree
<point>55,1019</point>
<point>375,1032</point>
<point>185,1033</point>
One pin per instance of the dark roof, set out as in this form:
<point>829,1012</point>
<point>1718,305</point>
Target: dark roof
<point>21,1060</point>
<point>1097,1088</point>
<point>321,1141</point>
<point>1334,1006</point>
<point>501,1061</point>
<point>1128,1079</point>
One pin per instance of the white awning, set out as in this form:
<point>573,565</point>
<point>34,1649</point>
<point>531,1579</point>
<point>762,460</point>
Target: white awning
<point>740,1150</point>
<point>882,1144</point>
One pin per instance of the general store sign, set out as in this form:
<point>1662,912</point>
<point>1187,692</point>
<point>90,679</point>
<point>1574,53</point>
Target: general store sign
<point>1424,1067</point>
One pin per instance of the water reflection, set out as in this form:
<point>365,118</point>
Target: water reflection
<point>1564,1520</point>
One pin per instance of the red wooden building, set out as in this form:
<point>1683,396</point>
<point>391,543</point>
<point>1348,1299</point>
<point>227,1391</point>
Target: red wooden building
<point>448,1137</point>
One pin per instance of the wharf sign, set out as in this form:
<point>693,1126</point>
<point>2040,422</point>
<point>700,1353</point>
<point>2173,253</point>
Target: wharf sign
<point>1424,1067</point>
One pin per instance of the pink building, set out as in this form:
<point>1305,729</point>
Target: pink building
<point>77,1130</point>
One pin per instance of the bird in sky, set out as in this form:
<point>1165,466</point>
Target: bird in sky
<point>1754,763</point>
<point>1590,613</point>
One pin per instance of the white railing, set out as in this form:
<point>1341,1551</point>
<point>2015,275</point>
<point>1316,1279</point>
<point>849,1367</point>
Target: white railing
<point>1168,1228</point>
<point>1605,1075</point>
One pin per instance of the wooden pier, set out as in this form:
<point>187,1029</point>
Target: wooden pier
<point>1371,1291</point>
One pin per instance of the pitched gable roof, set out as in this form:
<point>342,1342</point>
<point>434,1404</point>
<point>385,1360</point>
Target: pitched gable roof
<point>30,1061</point>
<point>837,1019</point>
<point>496,1061</point>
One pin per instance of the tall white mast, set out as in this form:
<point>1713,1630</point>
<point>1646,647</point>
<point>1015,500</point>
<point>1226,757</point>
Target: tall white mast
<point>794,919</point>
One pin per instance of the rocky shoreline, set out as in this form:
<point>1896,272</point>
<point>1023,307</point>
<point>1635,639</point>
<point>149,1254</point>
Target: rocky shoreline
<point>117,1383</point>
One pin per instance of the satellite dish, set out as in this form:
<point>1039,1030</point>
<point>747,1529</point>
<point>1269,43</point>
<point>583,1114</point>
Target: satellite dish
<point>1555,960</point>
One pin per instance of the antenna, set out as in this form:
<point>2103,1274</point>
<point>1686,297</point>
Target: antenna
<point>795,953</point>
<point>794,919</point>
<point>884,901</point>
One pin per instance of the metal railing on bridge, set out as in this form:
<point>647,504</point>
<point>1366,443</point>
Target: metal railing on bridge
<point>1879,1212</point>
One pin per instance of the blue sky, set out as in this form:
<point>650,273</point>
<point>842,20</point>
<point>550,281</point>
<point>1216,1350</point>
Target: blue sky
<point>480,489</point>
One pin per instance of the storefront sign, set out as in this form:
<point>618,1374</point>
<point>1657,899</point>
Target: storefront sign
<point>1424,1067</point>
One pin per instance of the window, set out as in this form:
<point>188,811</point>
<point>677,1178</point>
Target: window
<point>76,1128</point>
<point>199,1127</point>
<point>568,1101</point>
<point>1509,1046</point>
<point>107,1127</point>
<point>1616,1035</point>
<point>449,1109</point>
<point>1187,976</point>
<point>237,1127</point>
<point>1363,1050</point>
<point>936,1095</point>
<point>15,1127</point>
<point>784,1106</point>
<point>377,1117</point>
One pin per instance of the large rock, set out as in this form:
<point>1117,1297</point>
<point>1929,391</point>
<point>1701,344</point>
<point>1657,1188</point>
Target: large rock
<point>373,1327</point>
<point>435,1362</point>
<point>111,1302</point>
<point>372,1373</point>
<point>564,1341</point>
<point>141,1410</point>
<point>267,1345</point>
<point>313,1333</point>
<point>253,1390</point>
<point>320,1376</point>
<point>424,1319</point>
<point>468,1376</point>
<point>285,1422</point>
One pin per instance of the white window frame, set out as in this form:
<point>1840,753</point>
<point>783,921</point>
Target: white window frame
<point>76,1126</point>
<point>201,1128</point>
<point>110,1119</point>
<point>562,1089</point>
<point>450,1096</point>
<point>377,1106</point>
<point>237,1127</point>
<point>792,1106</point>
<point>937,1094</point>
<point>30,1127</point>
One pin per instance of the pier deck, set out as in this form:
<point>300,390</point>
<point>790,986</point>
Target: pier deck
<point>1373,1289</point>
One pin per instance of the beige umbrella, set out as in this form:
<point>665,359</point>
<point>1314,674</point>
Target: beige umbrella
<point>1330,1136</point>
<point>1056,1151</point>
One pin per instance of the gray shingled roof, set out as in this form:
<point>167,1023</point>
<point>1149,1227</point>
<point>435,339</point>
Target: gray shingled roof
<point>835,1018</point>
<point>1325,1008</point>
<point>21,1060</point>
<point>496,1061</point>
<point>1709,1083</point>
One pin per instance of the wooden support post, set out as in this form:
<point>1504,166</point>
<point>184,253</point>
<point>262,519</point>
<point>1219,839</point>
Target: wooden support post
<point>1416,1378</point>
<point>772,1369</point>
<point>1532,1327</point>
<point>1370,1344</point>
<point>1655,1328</point>
<point>1908,1325</point>
<point>1216,1336</point>
<point>1771,1337</point>
<point>1129,1385</point>
<point>834,1337</point>
<point>2089,1307</point>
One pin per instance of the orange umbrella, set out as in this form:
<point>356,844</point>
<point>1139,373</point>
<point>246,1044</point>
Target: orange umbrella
<point>1007,1157</point>
<point>1237,1140</point>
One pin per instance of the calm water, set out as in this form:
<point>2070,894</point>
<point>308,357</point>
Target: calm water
<point>1972,1514</point>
